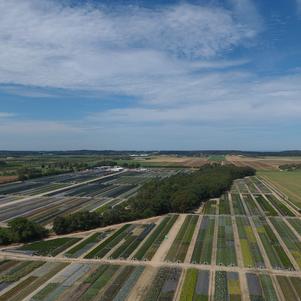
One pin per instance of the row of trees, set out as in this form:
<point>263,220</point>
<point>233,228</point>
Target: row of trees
<point>21,229</point>
<point>290,167</point>
<point>179,193</point>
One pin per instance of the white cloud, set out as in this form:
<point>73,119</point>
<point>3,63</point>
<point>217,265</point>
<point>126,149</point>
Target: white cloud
<point>43,43</point>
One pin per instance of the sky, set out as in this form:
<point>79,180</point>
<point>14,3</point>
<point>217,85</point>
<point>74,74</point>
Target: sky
<point>150,75</point>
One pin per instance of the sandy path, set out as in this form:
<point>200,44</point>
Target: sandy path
<point>142,285</point>
<point>166,244</point>
<point>244,286</point>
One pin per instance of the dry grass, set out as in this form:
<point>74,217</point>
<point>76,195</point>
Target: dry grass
<point>7,179</point>
<point>180,161</point>
<point>262,163</point>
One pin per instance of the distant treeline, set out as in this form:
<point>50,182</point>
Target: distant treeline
<point>179,193</point>
<point>290,167</point>
<point>21,229</point>
<point>8,153</point>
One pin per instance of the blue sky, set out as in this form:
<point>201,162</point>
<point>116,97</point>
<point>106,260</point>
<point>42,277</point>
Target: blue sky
<point>150,74</point>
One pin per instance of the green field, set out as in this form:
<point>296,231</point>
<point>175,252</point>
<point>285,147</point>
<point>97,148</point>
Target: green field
<point>288,182</point>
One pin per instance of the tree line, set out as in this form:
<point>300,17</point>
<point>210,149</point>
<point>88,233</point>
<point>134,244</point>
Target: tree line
<point>179,193</point>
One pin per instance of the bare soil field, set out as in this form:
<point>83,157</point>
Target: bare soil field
<point>180,161</point>
<point>7,179</point>
<point>262,163</point>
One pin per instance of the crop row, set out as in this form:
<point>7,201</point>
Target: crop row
<point>283,209</point>
<point>164,285</point>
<point>87,244</point>
<point>272,246</point>
<point>251,204</point>
<point>262,187</point>
<point>50,247</point>
<point>261,287</point>
<point>195,286</point>
<point>242,187</point>
<point>224,204</point>
<point>250,183</point>
<point>227,286</point>
<point>179,247</point>
<point>12,271</point>
<point>266,207</point>
<point>152,243</point>
<point>32,282</point>
<point>226,254</point>
<point>250,251</point>
<point>289,238</point>
<point>132,241</point>
<point>102,249</point>
<point>210,207</point>
<point>238,206</point>
<point>202,252</point>
<point>296,223</point>
<point>290,287</point>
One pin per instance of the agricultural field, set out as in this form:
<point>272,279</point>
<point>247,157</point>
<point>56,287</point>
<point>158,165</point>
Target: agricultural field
<point>250,251</point>
<point>261,287</point>
<point>288,182</point>
<point>244,245</point>
<point>227,286</point>
<point>226,254</point>
<point>202,252</point>
<point>43,199</point>
<point>179,247</point>
<point>196,285</point>
<point>51,247</point>
<point>276,254</point>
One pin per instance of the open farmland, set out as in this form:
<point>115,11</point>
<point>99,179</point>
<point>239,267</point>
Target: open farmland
<point>243,246</point>
<point>288,182</point>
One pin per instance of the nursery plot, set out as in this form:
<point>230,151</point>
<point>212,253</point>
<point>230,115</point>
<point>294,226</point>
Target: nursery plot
<point>153,242</point>
<point>202,252</point>
<point>210,207</point>
<point>87,244</point>
<point>290,287</point>
<point>238,206</point>
<point>251,186</point>
<point>250,251</point>
<point>242,187</point>
<point>252,207</point>
<point>92,189</point>
<point>261,186</point>
<point>289,238</point>
<point>195,286</point>
<point>224,204</point>
<point>227,286</point>
<point>132,241</point>
<point>296,223</point>
<point>119,190</point>
<point>13,270</point>
<point>32,282</point>
<point>164,285</point>
<point>50,247</point>
<point>283,209</point>
<point>273,248</point>
<point>60,286</point>
<point>226,254</point>
<point>179,247</point>
<point>261,287</point>
<point>266,207</point>
<point>105,247</point>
